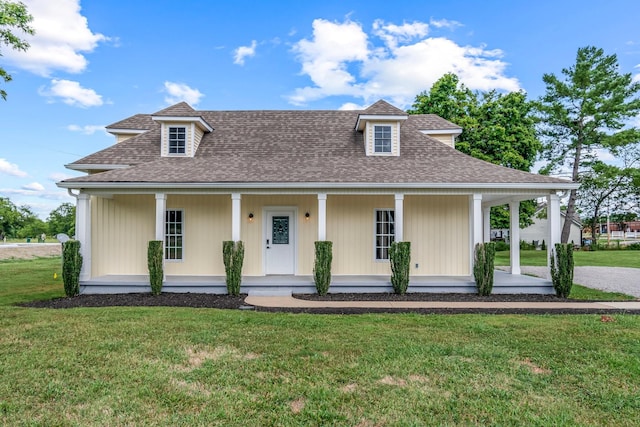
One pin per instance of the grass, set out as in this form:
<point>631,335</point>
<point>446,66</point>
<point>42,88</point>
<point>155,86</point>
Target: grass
<point>181,366</point>
<point>612,258</point>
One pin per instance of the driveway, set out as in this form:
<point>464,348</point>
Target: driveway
<point>611,279</point>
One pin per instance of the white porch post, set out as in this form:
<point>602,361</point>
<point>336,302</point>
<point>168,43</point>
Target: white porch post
<point>399,218</point>
<point>486,218</point>
<point>477,219</point>
<point>514,236</point>
<point>161,207</point>
<point>83,232</point>
<point>322,216</point>
<point>553,219</point>
<point>235,216</point>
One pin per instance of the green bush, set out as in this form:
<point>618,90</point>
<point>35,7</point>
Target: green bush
<point>233,257</point>
<point>634,246</point>
<point>71,267</point>
<point>400,258</point>
<point>562,269</point>
<point>501,246</point>
<point>483,266</point>
<point>543,246</point>
<point>322,266</point>
<point>526,246</point>
<point>155,259</point>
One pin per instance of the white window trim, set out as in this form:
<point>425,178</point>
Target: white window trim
<point>166,236</point>
<point>375,233</point>
<point>375,128</point>
<point>186,141</point>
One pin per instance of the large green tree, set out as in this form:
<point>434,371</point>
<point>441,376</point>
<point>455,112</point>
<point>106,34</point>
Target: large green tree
<point>499,128</point>
<point>586,110</point>
<point>62,220</point>
<point>13,16</point>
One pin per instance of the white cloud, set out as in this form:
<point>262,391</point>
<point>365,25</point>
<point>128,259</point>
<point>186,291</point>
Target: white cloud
<point>61,38</point>
<point>34,186</point>
<point>59,176</point>
<point>86,129</point>
<point>72,93</point>
<point>444,23</point>
<point>49,195</point>
<point>11,169</point>
<point>244,52</point>
<point>178,92</point>
<point>394,62</point>
<point>352,106</point>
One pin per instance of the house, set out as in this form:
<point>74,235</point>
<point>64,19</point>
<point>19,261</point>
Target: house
<point>280,180</point>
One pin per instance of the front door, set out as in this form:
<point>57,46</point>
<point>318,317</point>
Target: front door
<point>280,242</point>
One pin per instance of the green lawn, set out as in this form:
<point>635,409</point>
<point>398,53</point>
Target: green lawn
<point>611,258</point>
<point>180,366</point>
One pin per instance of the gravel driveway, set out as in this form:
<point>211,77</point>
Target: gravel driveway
<point>611,279</point>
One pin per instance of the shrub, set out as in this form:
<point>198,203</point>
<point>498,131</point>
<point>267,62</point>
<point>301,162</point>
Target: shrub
<point>526,246</point>
<point>562,269</point>
<point>71,267</point>
<point>400,258</point>
<point>322,266</point>
<point>155,259</point>
<point>233,257</point>
<point>543,246</point>
<point>501,246</point>
<point>634,246</point>
<point>483,264</point>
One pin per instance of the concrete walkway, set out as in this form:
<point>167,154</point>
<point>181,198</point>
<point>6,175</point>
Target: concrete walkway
<point>289,301</point>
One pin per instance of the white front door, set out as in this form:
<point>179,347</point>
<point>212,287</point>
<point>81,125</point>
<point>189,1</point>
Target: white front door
<point>280,242</point>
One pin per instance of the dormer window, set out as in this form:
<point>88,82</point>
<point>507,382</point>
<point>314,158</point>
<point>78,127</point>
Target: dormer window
<point>177,140</point>
<point>382,139</point>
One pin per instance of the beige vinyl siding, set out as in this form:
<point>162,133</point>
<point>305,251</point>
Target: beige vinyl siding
<point>197,137</point>
<point>252,232</point>
<point>446,139</point>
<point>350,226</point>
<point>370,137</point>
<point>120,137</point>
<point>438,229</point>
<point>206,224</point>
<point>120,229</point>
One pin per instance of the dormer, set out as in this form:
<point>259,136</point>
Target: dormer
<point>380,124</point>
<point>447,136</point>
<point>128,128</point>
<point>181,130</point>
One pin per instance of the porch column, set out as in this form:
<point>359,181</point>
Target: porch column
<point>399,218</point>
<point>486,218</point>
<point>477,219</point>
<point>514,236</point>
<point>161,207</point>
<point>83,232</point>
<point>235,216</point>
<point>553,219</point>
<point>322,216</point>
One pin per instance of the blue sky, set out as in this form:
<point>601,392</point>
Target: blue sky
<point>92,63</point>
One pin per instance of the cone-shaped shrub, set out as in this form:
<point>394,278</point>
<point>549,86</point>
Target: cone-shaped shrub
<point>322,266</point>
<point>400,258</point>
<point>562,269</point>
<point>483,261</point>
<point>71,267</point>
<point>154,264</point>
<point>233,257</point>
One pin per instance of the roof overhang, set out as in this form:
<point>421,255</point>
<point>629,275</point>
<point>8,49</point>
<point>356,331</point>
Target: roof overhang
<point>362,118</point>
<point>186,119</point>
<point>93,167</point>
<point>454,131</point>
<point>126,131</point>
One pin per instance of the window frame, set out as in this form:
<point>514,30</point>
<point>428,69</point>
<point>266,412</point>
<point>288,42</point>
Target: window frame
<point>379,233</point>
<point>175,140</point>
<point>175,249</point>
<point>383,138</point>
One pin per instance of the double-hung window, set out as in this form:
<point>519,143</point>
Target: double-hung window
<point>385,232</point>
<point>382,139</point>
<point>177,140</point>
<point>173,228</point>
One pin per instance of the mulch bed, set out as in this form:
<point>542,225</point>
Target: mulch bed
<point>234,303</point>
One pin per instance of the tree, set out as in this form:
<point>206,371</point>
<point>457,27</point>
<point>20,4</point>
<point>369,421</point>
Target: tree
<point>10,219</point>
<point>13,16</point>
<point>498,128</point>
<point>31,225</point>
<point>62,220</point>
<point>587,110</point>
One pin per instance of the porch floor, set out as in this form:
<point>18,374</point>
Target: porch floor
<point>504,283</point>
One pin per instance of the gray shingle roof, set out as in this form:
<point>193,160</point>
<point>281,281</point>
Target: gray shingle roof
<point>298,146</point>
<point>137,122</point>
<point>382,107</point>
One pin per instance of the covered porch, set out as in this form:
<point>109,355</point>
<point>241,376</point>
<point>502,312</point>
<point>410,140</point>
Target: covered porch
<point>504,283</point>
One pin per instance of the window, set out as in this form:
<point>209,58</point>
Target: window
<point>385,232</point>
<point>177,140</point>
<point>173,235</point>
<point>382,139</point>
